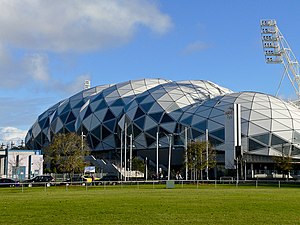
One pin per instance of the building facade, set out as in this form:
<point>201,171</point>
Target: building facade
<point>145,112</point>
<point>21,164</point>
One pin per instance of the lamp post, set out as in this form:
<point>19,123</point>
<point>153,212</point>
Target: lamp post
<point>206,141</point>
<point>125,155</point>
<point>130,154</point>
<point>237,170</point>
<point>185,148</point>
<point>170,153</point>
<point>245,170</point>
<point>157,164</point>
<point>121,148</point>
<point>82,136</point>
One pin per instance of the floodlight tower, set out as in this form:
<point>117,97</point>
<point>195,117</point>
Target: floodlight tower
<point>278,51</point>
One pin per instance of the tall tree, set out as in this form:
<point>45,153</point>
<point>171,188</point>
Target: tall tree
<point>198,158</point>
<point>66,153</point>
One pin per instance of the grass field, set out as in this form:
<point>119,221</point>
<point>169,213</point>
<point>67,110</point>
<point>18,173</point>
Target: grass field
<point>144,205</point>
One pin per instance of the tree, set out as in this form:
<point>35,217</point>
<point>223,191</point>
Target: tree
<point>66,153</point>
<point>283,164</point>
<point>138,164</point>
<point>198,159</point>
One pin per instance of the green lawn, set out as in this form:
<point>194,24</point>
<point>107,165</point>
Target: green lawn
<point>144,205</point>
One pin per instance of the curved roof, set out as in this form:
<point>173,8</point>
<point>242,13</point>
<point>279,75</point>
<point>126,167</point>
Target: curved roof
<point>59,117</point>
<point>269,124</point>
<point>160,108</point>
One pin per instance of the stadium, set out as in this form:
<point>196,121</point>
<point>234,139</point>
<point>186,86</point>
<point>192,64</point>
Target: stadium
<point>149,115</point>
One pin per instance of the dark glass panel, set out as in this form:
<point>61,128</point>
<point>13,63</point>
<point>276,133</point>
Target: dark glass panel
<point>187,120</point>
<point>295,151</point>
<point>88,112</point>
<point>70,127</point>
<point>101,106</point>
<point>277,140</point>
<point>253,145</point>
<point>139,112</point>
<point>147,106</point>
<point>97,132</point>
<point>264,138</point>
<point>94,141</point>
<point>66,109</point>
<point>149,140</point>
<point>200,126</point>
<point>136,131</point>
<point>156,116</point>
<point>119,102</point>
<point>71,117</point>
<point>214,142</point>
<point>166,118</point>
<point>110,125</point>
<point>109,115</point>
<point>105,132</point>
<point>79,104</point>
<point>219,134</point>
<point>196,133</point>
<point>140,122</point>
<point>63,117</point>
<point>152,131</point>
<point>141,98</point>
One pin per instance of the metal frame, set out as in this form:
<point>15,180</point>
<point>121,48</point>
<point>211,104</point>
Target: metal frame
<point>278,51</point>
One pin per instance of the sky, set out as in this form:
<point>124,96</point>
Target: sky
<point>48,48</point>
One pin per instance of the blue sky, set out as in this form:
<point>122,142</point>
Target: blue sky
<point>48,48</point>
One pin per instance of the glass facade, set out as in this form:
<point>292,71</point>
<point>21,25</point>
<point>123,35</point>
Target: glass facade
<point>269,125</point>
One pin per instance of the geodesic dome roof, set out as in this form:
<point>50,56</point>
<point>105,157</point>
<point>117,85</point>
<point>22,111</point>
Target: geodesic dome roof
<point>270,126</point>
<point>60,117</point>
<point>99,116</point>
<point>159,109</point>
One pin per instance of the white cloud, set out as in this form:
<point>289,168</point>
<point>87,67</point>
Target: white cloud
<point>76,25</point>
<point>11,134</point>
<point>196,46</point>
<point>37,66</point>
<point>31,29</point>
<point>34,69</point>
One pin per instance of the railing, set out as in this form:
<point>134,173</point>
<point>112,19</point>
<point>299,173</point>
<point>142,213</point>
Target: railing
<point>154,184</point>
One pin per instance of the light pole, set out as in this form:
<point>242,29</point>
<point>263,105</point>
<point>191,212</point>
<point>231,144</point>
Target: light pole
<point>157,164</point>
<point>245,173</point>
<point>82,136</point>
<point>237,170</point>
<point>185,148</point>
<point>170,153</point>
<point>130,154</point>
<point>125,150</point>
<point>121,165</point>
<point>146,169</point>
<point>206,141</point>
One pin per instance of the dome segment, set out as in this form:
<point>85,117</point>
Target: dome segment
<point>60,117</point>
<point>99,116</point>
<point>269,126</point>
<point>159,109</point>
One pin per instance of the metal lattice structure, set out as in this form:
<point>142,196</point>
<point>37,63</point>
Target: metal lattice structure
<point>269,125</point>
<point>154,110</point>
<point>278,51</point>
<point>160,109</point>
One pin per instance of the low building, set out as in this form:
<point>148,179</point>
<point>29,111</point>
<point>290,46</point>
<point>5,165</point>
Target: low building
<point>20,164</point>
